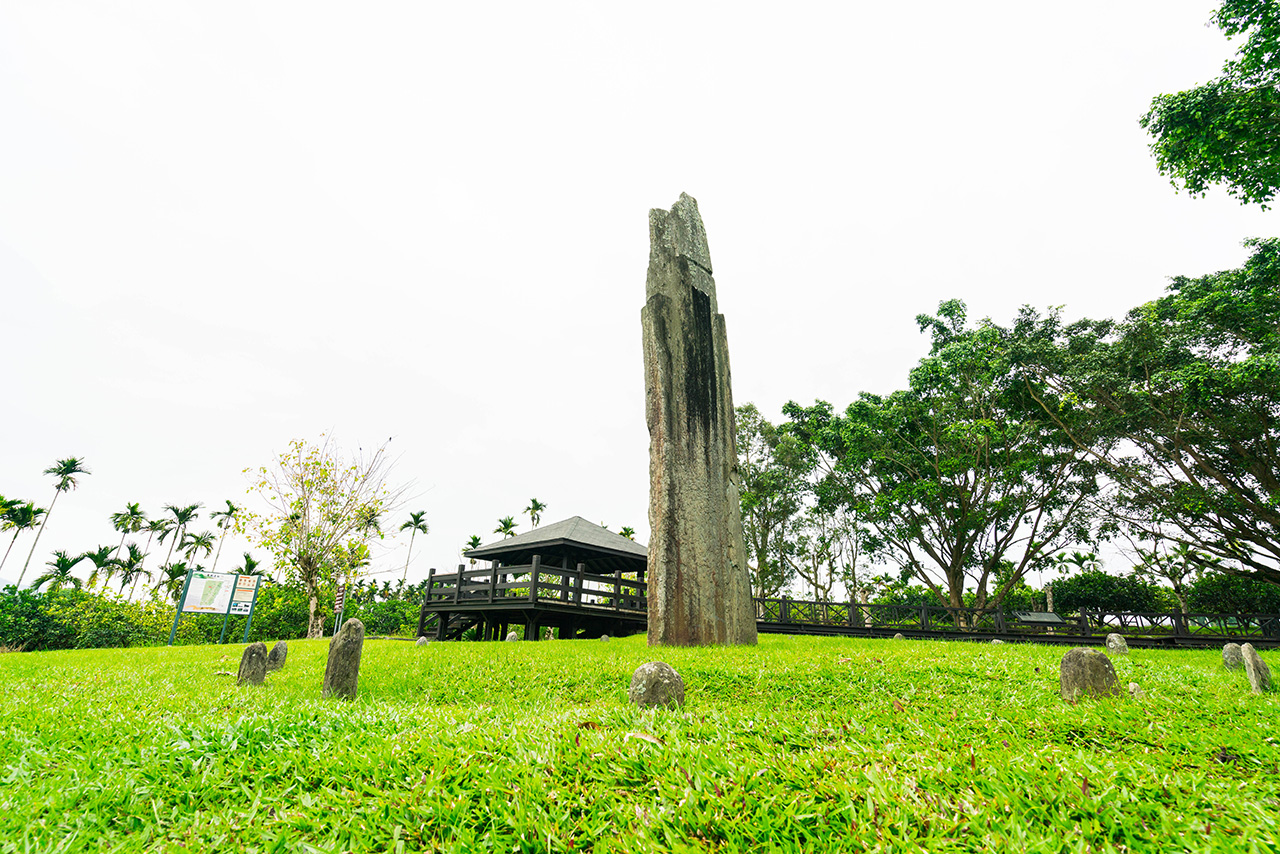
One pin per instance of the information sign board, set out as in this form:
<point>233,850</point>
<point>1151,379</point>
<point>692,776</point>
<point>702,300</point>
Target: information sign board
<point>209,593</point>
<point>242,598</point>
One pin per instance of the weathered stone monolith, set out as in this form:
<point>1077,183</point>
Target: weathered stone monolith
<point>253,664</point>
<point>699,592</point>
<point>342,673</point>
<point>1087,672</point>
<point>1256,669</point>
<point>656,684</point>
<point>277,656</point>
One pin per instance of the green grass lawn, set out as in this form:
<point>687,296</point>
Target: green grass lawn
<point>799,744</point>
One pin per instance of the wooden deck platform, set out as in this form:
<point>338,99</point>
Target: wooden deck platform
<point>571,600</point>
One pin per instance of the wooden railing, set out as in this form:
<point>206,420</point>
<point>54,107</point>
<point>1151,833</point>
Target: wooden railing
<point>932,619</point>
<point>536,584</point>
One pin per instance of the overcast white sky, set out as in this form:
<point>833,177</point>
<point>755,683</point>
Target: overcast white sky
<point>227,225</point>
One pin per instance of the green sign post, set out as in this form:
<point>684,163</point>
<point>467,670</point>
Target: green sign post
<point>217,593</point>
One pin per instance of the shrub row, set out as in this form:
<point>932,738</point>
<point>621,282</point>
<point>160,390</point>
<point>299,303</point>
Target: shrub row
<point>83,619</point>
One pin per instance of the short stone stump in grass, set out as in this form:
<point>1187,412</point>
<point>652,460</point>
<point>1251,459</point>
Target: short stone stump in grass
<point>277,656</point>
<point>342,673</point>
<point>421,642</point>
<point>511,636</point>
<point>1256,669</point>
<point>899,636</point>
<point>1087,672</point>
<point>253,664</point>
<point>656,684</point>
<point>1117,645</point>
<point>1232,657</point>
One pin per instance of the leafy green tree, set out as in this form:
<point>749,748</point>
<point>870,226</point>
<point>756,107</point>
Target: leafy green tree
<point>958,472</point>
<point>1180,406</point>
<point>101,558</point>
<point>534,510</point>
<point>130,566</point>
<point>20,517</point>
<point>1220,593</point>
<point>772,466</point>
<point>224,519</point>
<point>193,544</point>
<point>417,524</point>
<point>1095,590</point>
<point>172,578</point>
<point>67,472</point>
<point>506,527</point>
<point>182,517</point>
<point>58,574</point>
<point>628,532</point>
<point>1227,131</point>
<point>131,520</point>
<point>319,504</point>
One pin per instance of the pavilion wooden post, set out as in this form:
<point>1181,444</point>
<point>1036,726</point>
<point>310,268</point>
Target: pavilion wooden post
<point>533,579</point>
<point>457,586</point>
<point>577,585</point>
<point>617,589</point>
<point>493,584</point>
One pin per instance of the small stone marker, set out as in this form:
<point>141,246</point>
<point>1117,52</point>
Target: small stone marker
<point>253,664</point>
<point>1232,657</point>
<point>342,673</point>
<point>604,637</point>
<point>1117,645</point>
<point>511,636</point>
<point>656,684</point>
<point>1136,692</point>
<point>1256,669</point>
<point>996,640</point>
<point>421,642</point>
<point>1087,672</point>
<point>279,652</point>
<point>899,636</point>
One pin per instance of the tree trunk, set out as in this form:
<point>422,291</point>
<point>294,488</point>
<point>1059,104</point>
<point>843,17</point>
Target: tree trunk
<point>1048,597</point>
<point>218,553</point>
<point>116,556</point>
<point>11,542</point>
<point>39,531</point>
<point>315,619</point>
<point>413,532</point>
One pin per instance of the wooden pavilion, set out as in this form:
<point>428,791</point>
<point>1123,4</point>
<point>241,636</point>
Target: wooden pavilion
<point>576,577</point>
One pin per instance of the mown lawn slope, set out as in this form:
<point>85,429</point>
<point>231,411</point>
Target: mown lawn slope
<point>799,744</point>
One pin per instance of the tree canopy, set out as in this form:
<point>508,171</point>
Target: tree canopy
<point>1227,131</point>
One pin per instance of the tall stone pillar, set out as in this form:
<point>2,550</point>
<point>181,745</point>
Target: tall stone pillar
<point>699,591</point>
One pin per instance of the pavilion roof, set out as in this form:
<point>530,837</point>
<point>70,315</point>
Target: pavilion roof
<point>574,534</point>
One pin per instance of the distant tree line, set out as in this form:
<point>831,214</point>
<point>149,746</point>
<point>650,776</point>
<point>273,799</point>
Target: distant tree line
<point>1159,433</point>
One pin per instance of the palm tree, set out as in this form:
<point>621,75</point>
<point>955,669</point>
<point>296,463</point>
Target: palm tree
<point>172,576</point>
<point>21,518</point>
<point>59,572</point>
<point>225,519</point>
<point>131,567</point>
<point>417,522</point>
<point>250,566</point>
<point>159,526</point>
<point>101,560</point>
<point>534,510</point>
<point>506,527</point>
<point>65,471</point>
<point>131,520</point>
<point>628,532</point>
<point>182,516</point>
<point>197,542</point>
<point>473,543</point>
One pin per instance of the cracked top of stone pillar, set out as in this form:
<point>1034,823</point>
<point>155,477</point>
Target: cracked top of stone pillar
<point>677,236</point>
